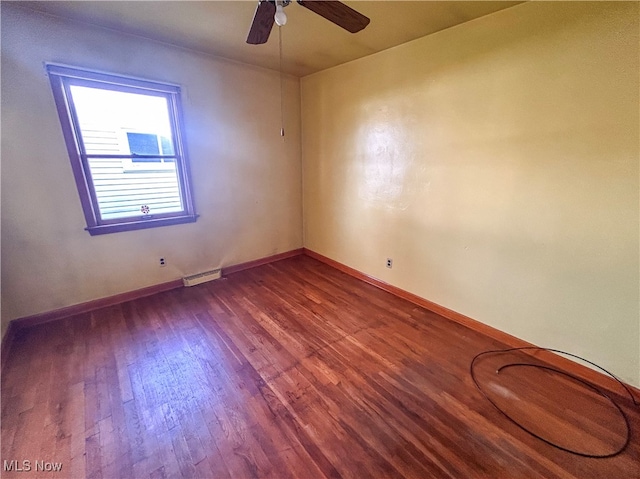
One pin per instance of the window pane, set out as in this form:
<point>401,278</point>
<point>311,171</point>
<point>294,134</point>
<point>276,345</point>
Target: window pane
<point>122,123</point>
<point>124,194</point>
<point>106,117</point>
<point>143,143</point>
<point>167,146</point>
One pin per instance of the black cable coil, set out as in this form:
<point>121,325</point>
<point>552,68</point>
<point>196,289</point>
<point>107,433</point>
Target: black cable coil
<point>575,378</point>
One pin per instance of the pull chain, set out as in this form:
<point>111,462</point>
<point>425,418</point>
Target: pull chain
<point>281,83</point>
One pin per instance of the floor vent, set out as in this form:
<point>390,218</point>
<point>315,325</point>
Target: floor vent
<point>201,277</point>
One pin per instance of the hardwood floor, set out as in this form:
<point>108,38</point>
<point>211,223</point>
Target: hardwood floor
<point>290,370</point>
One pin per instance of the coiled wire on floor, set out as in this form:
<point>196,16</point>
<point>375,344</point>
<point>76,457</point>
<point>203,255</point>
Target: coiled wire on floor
<point>569,375</point>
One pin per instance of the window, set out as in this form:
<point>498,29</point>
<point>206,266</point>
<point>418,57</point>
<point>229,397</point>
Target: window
<point>149,144</point>
<point>126,149</point>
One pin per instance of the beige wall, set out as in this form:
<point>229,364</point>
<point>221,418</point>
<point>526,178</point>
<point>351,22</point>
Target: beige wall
<point>496,162</point>
<point>247,181</point>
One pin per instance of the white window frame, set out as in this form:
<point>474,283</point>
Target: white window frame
<point>61,78</point>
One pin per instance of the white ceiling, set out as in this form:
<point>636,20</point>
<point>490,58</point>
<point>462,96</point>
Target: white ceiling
<point>310,43</point>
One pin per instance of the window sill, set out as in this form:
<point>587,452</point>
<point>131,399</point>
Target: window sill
<point>139,225</point>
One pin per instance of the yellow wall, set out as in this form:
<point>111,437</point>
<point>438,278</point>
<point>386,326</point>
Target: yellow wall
<point>496,162</point>
<point>246,179</point>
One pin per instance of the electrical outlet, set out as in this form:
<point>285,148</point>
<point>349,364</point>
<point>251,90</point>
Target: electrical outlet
<point>389,263</point>
<point>162,262</point>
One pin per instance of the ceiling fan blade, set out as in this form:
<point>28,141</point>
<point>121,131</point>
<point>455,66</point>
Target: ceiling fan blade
<point>338,13</point>
<point>262,23</point>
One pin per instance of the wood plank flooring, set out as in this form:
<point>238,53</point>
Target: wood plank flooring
<point>290,370</point>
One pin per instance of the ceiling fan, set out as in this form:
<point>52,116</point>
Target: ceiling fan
<point>270,11</point>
